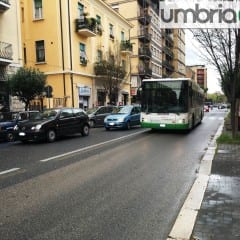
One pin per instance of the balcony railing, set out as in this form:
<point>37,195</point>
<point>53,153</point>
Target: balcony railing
<point>168,65</point>
<point>126,46</point>
<point>86,26</point>
<point>144,17</point>
<point>144,3</point>
<point>168,51</point>
<point>144,70</point>
<point>144,36</point>
<point>144,52</point>
<point>4,5</point>
<point>6,53</point>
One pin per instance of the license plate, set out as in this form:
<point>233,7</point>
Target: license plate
<point>111,124</point>
<point>162,125</point>
<point>22,134</point>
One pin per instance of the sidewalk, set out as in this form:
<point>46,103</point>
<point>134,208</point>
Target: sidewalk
<point>219,215</point>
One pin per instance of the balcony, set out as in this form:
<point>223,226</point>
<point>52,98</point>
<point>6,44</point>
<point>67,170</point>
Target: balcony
<point>144,17</point>
<point>168,37</point>
<point>144,36</point>
<point>144,3</point>
<point>144,70</point>
<point>167,65</point>
<point>86,27</point>
<point>144,53</point>
<point>168,51</point>
<point>4,5</point>
<point>6,53</point>
<point>83,61</point>
<point>126,47</point>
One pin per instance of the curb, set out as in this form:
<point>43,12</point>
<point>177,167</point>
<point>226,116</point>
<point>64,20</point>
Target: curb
<point>184,224</point>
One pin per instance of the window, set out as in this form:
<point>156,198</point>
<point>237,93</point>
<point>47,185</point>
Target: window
<point>99,26</point>
<point>99,55</point>
<point>38,9</point>
<point>111,31</point>
<point>40,51</point>
<point>83,57</point>
<point>122,36</point>
<point>80,10</point>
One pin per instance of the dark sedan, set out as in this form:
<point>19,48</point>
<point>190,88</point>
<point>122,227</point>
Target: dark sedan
<point>8,120</point>
<point>53,123</point>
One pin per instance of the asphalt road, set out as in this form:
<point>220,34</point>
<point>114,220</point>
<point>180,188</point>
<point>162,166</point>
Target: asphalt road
<point>80,188</point>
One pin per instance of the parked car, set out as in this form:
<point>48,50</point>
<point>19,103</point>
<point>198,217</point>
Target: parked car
<point>96,115</point>
<point>8,120</point>
<point>52,123</point>
<point>125,118</point>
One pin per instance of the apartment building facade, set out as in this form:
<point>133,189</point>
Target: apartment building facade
<point>198,74</point>
<point>10,51</point>
<point>64,39</point>
<point>173,60</point>
<point>146,60</point>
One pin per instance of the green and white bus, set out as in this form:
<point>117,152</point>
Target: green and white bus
<point>171,103</point>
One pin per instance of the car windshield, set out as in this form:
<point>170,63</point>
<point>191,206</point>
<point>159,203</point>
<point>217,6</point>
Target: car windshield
<point>125,110</point>
<point>116,109</point>
<point>46,114</point>
<point>92,110</point>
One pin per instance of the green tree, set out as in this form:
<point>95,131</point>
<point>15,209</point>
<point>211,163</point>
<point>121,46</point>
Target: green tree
<point>27,84</point>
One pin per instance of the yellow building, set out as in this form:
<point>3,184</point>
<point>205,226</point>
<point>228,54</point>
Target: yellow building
<point>64,39</point>
<point>146,60</point>
<point>10,50</point>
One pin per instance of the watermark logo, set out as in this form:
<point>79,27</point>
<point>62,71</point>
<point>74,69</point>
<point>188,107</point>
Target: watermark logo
<point>199,13</point>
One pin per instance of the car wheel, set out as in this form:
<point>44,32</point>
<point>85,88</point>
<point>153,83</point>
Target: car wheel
<point>128,126</point>
<point>92,123</point>
<point>51,135</point>
<point>85,130</point>
<point>10,137</point>
<point>107,128</point>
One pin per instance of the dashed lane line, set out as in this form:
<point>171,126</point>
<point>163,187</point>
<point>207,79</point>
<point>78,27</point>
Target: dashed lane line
<point>90,147</point>
<point>9,171</point>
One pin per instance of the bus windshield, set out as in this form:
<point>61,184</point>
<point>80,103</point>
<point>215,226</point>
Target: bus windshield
<point>165,97</point>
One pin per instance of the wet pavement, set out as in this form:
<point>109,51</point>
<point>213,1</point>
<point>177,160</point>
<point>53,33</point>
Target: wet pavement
<point>219,215</point>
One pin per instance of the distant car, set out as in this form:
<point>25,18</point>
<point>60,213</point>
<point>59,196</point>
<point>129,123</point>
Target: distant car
<point>53,123</point>
<point>8,121</point>
<point>127,117</point>
<point>96,115</point>
<point>206,108</point>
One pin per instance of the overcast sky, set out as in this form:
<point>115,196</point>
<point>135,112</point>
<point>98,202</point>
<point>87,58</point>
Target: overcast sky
<point>193,56</point>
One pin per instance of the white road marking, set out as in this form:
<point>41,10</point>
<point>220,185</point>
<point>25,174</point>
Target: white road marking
<point>89,147</point>
<point>192,204</point>
<point>9,171</point>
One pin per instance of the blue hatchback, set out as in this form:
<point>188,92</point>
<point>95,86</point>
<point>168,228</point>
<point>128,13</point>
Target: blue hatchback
<point>125,118</point>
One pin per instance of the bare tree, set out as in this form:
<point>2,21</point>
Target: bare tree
<point>222,49</point>
<point>112,72</point>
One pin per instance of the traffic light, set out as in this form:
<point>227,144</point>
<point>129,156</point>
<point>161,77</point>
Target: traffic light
<point>48,90</point>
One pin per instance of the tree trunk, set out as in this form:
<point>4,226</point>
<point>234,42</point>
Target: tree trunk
<point>233,118</point>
